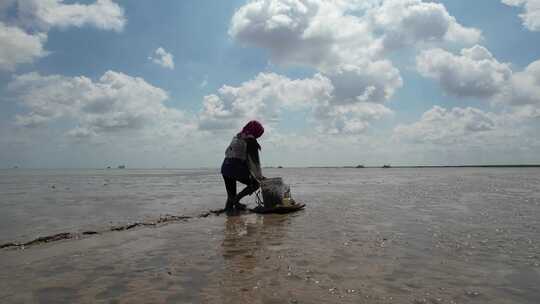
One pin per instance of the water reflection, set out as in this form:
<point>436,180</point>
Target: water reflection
<point>246,249</point>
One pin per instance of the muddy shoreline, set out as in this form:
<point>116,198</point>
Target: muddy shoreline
<point>367,236</point>
<point>162,220</point>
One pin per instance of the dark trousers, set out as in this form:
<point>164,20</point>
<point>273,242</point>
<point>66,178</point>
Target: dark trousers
<point>230,185</point>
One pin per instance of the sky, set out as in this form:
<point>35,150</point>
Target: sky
<point>167,84</point>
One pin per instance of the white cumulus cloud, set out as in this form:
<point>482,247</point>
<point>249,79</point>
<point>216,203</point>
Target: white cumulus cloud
<point>324,34</point>
<point>407,22</point>
<point>44,14</point>
<point>531,16</point>
<point>346,42</point>
<point>18,47</point>
<point>475,72</point>
<point>163,58</point>
<point>447,126</point>
<point>114,104</point>
<point>472,73</point>
<point>263,98</point>
<point>269,95</point>
<point>312,33</point>
<point>375,81</point>
<point>23,35</point>
<point>352,118</point>
<point>524,87</point>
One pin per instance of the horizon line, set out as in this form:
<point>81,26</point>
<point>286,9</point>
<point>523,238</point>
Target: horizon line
<point>386,166</point>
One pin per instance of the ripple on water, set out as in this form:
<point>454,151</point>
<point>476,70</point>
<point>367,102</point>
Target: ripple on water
<point>370,236</point>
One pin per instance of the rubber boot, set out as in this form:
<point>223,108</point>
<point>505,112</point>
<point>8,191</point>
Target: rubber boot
<point>240,207</point>
<point>229,206</point>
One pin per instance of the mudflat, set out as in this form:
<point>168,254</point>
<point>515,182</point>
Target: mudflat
<point>432,235</point>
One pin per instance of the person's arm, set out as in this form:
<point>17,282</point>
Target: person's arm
<point>254,163</point>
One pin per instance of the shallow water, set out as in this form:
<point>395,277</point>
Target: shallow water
<point>367,236</point>
<point>38,202</point>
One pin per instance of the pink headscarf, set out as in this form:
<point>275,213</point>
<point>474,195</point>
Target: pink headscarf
<point>253,128</point>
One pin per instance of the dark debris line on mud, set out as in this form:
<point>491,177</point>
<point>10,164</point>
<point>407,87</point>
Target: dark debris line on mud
<point>163,220</point>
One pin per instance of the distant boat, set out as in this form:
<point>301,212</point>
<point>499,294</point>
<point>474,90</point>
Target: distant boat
<point>122,167</point>
<point>386,166</point>
<point>360,166</point>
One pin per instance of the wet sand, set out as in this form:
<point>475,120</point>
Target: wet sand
<point>367,236</point>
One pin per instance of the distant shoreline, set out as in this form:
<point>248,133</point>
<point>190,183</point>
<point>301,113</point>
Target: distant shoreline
<point>306,167</point>
<point>426,167</point>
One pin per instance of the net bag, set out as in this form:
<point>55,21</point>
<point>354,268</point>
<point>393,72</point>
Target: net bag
<point>274,192</point>
<point>276,198</point>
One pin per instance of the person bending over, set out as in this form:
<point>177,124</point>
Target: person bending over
<point>242,164</point>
